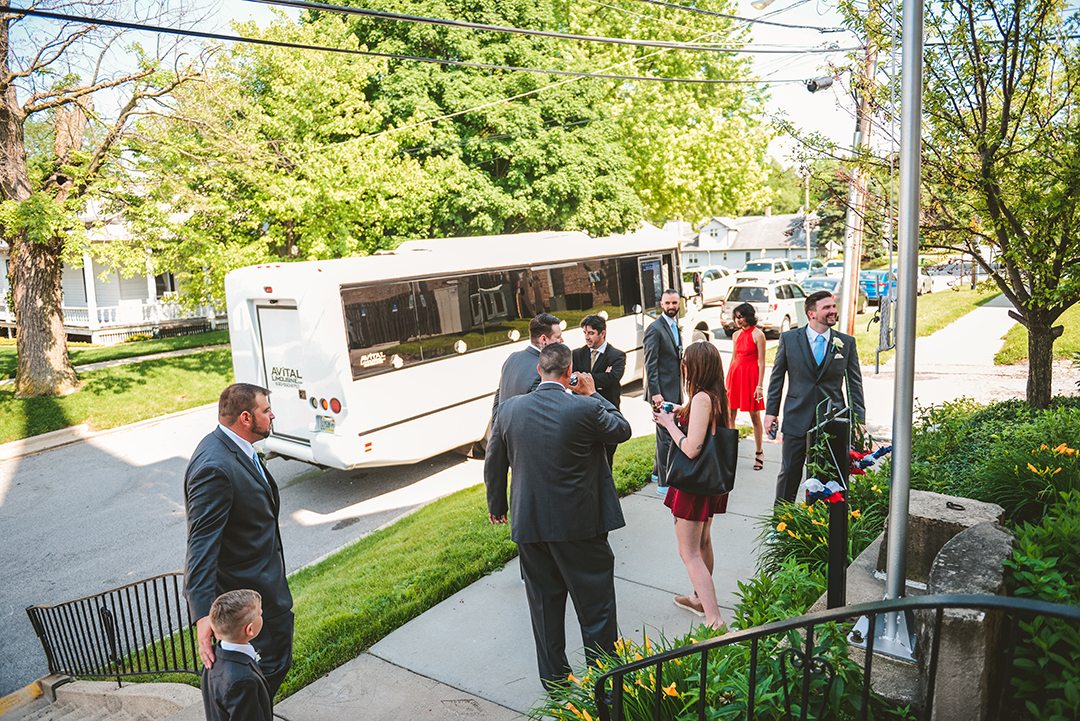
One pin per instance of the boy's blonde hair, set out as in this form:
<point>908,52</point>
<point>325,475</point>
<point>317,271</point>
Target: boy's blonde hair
<point>232,611</point>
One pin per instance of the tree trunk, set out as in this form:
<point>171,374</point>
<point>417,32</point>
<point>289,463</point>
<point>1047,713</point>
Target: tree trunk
<point>1040,362</point>
<point>44,368</point>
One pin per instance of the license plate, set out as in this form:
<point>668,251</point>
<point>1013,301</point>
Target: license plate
<point>325,424</point>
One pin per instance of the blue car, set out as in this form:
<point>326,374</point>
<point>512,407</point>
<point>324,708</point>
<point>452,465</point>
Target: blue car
<point>877,284</point>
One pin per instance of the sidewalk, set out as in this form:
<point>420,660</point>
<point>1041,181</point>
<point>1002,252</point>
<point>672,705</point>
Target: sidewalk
<point>473,654</point>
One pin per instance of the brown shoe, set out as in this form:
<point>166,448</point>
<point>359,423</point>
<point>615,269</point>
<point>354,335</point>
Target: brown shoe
<point>688,603</point>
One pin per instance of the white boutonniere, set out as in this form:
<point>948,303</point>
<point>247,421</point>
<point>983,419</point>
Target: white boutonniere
<point>837,344</point>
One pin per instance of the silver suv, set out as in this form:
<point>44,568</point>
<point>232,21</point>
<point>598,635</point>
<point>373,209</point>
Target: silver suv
<point>779,306</point>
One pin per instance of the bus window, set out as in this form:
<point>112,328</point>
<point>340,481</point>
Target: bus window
<point>585,288</point>
<point>451,310</point>
<point>381,327</point>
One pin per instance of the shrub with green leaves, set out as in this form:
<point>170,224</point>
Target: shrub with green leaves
<point>796,531</point>
<point>768,597</point>
<point>1046,567</point>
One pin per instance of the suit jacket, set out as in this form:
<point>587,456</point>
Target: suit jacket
<point>663,364</point>
<point>554,441</point>
<point>235,689</point>
<point>809,384</point>
<point>518,377</point>
<point>233,536</point>
<point>609,385</point>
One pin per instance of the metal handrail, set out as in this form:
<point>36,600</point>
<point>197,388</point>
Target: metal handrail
<point>141,628</point>
<point>610,705</point>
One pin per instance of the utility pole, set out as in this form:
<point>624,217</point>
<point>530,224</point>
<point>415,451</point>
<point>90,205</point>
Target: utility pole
<point>853,230</point>
<point>806,220</point>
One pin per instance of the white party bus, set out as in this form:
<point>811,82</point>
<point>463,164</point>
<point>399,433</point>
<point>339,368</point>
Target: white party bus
<point>394,358</point>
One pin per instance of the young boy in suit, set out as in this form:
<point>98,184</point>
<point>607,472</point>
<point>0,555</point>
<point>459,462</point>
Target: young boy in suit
<point>235,688</point>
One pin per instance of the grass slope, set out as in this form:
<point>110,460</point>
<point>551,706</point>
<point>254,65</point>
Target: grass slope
<point>116,396</point>
<point>1015,349</point>
<point>97,354</point>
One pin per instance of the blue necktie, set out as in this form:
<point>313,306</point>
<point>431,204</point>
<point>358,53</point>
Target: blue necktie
<point>675,332</point>
<point>819,349</point>
<point>255,459</point>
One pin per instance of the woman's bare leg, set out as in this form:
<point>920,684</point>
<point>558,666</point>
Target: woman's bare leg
<point>691,536</point>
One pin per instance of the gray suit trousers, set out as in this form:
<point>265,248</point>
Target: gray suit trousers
<point>586,570</point>
<point>792,463</point>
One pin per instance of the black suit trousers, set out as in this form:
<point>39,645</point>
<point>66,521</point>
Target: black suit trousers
<point>663,447</point>
<point>586,570</point>
<point>274,644</point>
<point>792,462</point>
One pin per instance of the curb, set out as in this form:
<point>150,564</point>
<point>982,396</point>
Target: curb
<point>77,434</point>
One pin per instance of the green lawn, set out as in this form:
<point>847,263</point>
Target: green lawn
<point>97,354</point>
<point>1015,349</point>
<point>124,394</point>
<point>935,311</point>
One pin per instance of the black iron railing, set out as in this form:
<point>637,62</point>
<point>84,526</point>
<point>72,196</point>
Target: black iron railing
<point>141,628</point>
<point>806,677</point>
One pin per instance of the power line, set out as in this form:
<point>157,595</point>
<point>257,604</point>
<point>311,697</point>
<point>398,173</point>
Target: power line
<point>364,12</point>
<point>738,18</point>
<point>391,56</point>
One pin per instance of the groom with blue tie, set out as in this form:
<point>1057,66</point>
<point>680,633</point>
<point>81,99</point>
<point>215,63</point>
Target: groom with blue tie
<point>818,363</point>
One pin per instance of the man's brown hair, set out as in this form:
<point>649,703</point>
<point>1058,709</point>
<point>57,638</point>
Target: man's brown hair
<point>236,399</point>
<point>812,300</point>
<point>233,610</point>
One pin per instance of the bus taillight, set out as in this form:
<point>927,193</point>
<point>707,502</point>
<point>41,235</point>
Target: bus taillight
<point>335,405</point>
<point>324,404</point>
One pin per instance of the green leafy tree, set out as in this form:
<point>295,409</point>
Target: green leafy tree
<point>786,191</point>
<point>59,150</point>
<point>697,150</point>
<point>1001,156</point>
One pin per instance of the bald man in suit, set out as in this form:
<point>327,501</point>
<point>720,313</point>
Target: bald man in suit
<point>562,505</point>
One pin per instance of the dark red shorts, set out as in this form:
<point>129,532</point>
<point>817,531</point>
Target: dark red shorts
<point>691,507</point>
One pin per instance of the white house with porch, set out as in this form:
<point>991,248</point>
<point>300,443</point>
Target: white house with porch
<point>115,308</point>
<point>732,242</point>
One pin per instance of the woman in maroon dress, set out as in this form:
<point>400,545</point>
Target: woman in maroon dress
<point>746,373</point>
<point>689,427</point>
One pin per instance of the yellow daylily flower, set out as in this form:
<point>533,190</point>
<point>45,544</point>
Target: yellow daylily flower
<point>781,527</point>
<point>574,679</point>
<point>856,513</point>
<point>670,690</point>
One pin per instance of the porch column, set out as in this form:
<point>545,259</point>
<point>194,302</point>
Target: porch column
<point>89,280</point>
<point>151,294</point>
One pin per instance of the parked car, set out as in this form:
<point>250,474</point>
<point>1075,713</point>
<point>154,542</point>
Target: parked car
<point>877,284</point>
<point>924,284</point>
<point>808,268</point>
<point>778,306</point>
<point>835,266</point>
<point>707,285</point>
<point>834,284</point>
<point>766,270</point>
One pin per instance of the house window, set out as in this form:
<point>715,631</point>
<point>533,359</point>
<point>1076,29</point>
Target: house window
<point>725,256</point>
<point>164,283</point>
<point>691,259</point>
<point>714,232</point>
<point>748,256</point>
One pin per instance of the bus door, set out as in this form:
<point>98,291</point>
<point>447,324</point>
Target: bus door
<point>651,277</point>
<point>282,355</point>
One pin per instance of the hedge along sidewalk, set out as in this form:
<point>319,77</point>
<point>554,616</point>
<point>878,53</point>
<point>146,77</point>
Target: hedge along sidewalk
<point>121,395</point>
<point>83,356</point>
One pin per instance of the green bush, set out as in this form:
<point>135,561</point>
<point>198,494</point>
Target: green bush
<point>633,464</point>
<point>795,531</point>
<point>1046,567</point>
<point>1028,471</point>
<point>768,597</point>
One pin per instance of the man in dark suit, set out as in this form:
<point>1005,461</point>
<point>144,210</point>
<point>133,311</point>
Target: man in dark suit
<point>563,504</point>
<point>818,363</point>
<point>233,539</point>
<point>519,375</point>
<point>604,363</point>
<point>663,373</point>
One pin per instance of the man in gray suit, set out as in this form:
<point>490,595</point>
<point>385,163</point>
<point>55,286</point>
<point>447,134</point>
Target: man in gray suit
<point>663,373</point>
<point>818,362</point>
<point>519,375</point>
<point>562,505</point>
<point>233,538</point>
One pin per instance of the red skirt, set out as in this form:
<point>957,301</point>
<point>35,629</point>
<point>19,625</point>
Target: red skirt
<point>692,507</point>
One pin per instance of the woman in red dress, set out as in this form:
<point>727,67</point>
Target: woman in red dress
<point>746,374</point>
<point>689,426</point>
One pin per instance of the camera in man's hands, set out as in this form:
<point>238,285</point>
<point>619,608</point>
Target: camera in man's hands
<point>573,379</point>
<point>773,430</point>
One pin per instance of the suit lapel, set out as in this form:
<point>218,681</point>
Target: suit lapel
<point>807,354</point>
<point>249,466</point>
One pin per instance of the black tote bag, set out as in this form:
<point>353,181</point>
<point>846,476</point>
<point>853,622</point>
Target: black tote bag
<point>712,473</point>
